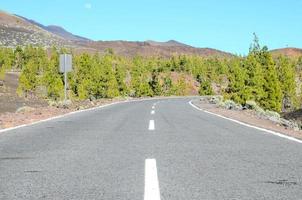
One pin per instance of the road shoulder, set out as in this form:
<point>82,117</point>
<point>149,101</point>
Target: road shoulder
<point>248,119</point>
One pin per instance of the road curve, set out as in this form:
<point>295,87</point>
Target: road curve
<point>104,154</point>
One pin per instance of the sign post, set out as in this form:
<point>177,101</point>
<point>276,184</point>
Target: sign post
<point>65,66</point>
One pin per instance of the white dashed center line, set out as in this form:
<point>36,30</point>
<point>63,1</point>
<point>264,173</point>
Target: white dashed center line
<point>151,125</point>
<point>151,181</point>
<point>152,112</point>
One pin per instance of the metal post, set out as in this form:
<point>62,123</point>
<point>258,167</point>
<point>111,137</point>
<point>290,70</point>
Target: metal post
<point>65,86</point>
<point>65,67</point>
<point>65,80</point>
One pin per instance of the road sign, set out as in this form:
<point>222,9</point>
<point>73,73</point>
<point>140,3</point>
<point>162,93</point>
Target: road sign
<point>65,63</point>
<point>65,66</point>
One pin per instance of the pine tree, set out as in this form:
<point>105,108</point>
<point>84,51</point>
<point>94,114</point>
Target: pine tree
<point>254,80</point>
<point>6,61</point>
<point>112,87</point>
<point>286,75</point>
<point>180,87</point>
<point>272,89</point>
<point>18,58</point>
<point>51,79</point>
<point>205,88</point>
<point>120,75</point>
<point>237,90</point>
<point>83,84</point>
<point>167,85</point>
<point>28,80</point>
<point>155,84</point>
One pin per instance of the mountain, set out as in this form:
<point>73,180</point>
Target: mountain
<point>57,30</point>
<point>170,43</point>
<point>65,34</point>
<point>290,52</point>
<point>15,30</point>
<point>18,30</point>
<point>147,48</point>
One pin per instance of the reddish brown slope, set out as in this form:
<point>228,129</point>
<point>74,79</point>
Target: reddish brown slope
<point>164,49</point>
<point>290,52</point>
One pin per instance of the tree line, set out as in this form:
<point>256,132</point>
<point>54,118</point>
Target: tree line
<point>274,83</point>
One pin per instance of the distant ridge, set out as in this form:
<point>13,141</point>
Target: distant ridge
<point>18,30</point>
<point>169,43</point>
<point>152,48</point>
<point>57,30</point>
<point>289,51</point>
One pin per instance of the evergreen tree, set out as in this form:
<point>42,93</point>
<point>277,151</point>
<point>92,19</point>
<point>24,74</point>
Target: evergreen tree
<point>51,77</point>
<point>120,75</point>
<point>237,90</point>
<point>180,88</point>
<point>6,61</point>
<point>286,75</point>
<point>155,84</point>
<point>273,98</point>
<point>18,58</point>
<point>167,85</point>
<point>254,80</point>
<point>28,80</point>
<point>205,88</point>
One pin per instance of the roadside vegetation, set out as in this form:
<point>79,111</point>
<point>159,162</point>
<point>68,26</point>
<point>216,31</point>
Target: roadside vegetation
<point>272,83</point>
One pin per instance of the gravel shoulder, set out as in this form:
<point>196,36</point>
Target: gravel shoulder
<point>249,117</point>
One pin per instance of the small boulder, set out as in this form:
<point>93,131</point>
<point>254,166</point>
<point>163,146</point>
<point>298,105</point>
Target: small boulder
<point>231,105</point>
<point>251,105</point>
<point>289,124</point>
<point>24,109</point>
<point>64,104</point>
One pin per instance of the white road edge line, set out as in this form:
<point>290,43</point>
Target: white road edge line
<point>248,125</point>
<point>151,125</point>
<point>151,181</point>
<point>152,112</point>
<point>79,111</point>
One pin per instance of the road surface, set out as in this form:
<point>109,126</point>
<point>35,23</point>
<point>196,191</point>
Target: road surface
<point>156,149</point>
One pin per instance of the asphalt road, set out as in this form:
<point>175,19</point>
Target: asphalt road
<point>116,153</point>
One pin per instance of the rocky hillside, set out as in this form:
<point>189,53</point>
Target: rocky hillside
<point>15,31</point>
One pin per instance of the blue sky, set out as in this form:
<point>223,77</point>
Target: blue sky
<point>223,24</point>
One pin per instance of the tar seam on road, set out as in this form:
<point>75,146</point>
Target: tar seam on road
<point>151,181</point>
<point>248,125</point>
<point>151,125</point>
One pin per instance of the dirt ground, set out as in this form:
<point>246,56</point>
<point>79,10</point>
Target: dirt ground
<point>36,109</point>
<point>12,119</point>
<point>247,116</point>
<point>10,101</point>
